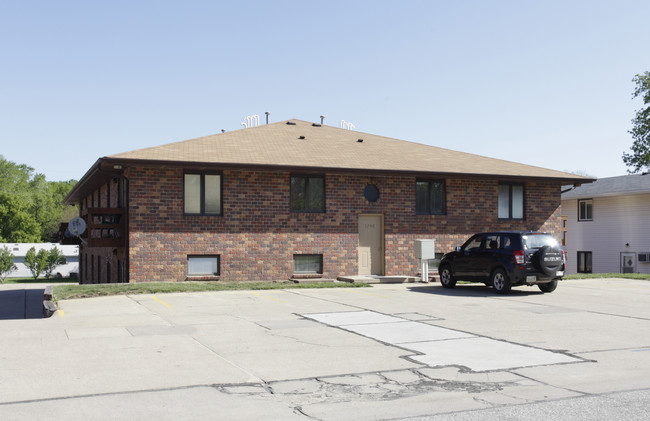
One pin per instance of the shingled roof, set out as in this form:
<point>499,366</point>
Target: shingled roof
<point>300,145</point>
<point>611,186</point>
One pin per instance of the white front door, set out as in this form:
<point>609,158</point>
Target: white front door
<point>628,262</point>
<point>371,244</point>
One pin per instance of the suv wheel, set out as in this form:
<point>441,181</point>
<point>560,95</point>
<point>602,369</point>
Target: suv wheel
<point>446,278</point>
<point>548,287</point>
<point>500,281</point>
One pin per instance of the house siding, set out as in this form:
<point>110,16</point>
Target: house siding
<point>257,235</point>
<point>617,221</point>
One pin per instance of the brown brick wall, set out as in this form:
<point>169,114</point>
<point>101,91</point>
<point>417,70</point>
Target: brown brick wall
<point>257,235</point>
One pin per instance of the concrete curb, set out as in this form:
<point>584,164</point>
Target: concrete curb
<point>49,308</point>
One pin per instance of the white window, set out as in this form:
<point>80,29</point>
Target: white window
<point>202,194</point>
<point>511,201</point>
<point>203,265</point>
<point>585,210</point>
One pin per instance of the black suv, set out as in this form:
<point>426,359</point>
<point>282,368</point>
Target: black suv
<point>504,260</point>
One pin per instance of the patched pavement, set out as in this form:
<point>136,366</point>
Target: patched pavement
<point>439,347</point>
<point>394,351</point>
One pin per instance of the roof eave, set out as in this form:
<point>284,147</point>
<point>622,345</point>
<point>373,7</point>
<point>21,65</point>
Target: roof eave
<point>113,163</point>
<point>98,174</point>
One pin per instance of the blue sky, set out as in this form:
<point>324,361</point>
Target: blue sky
<point>545,83</point>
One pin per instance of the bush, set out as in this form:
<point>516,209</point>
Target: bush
<point>54,258</point>
<point>6,263</point>
<point>44,261</point>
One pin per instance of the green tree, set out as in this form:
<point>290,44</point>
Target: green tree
<point>54,258</point>
<point>6,263</point>
<point>25,196</point>
<point>17,225</point>
<point>36,262</point>
<point>640,156</point>
<point>15,178</point>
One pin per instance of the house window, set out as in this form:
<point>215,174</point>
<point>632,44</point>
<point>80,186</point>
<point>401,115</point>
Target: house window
<point>308,194</point>
<point>584,262</point>
<point>511,201</point>
<point>430,197</point>
<point>203,265</point>
<point>308,263</point>
<point>585,210</point>
<point>202,194</point>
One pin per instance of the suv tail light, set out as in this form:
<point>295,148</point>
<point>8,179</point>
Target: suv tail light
<point>519,257</point>
<point>564,257</point>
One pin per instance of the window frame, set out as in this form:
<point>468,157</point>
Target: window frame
<point>429,195</point>
<point>306,193</point>
<point>202,193</point>
<point>590,256</point>
<point>318,272</point>
<point>588,210</point>
<point>204,256</point>
<point>510,201</point>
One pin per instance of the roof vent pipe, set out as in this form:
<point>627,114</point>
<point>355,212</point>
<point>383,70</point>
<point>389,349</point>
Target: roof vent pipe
<point>346,125</point>
<point>321,119</point>
<point>251,121</point>
<point>267,116</point>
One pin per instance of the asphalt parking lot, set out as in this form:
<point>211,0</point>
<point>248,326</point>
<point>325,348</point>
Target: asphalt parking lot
<point>396,351</point>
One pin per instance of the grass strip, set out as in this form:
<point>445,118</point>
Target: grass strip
<point>642,276</point>
<point>66,292</point>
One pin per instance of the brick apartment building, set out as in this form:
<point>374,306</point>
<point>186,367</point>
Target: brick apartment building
<point>296,199</point>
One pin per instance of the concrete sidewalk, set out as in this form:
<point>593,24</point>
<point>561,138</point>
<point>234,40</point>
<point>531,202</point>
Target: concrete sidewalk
<point>331,354</point>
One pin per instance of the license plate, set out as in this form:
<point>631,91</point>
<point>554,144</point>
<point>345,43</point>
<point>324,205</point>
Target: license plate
<point>531,278</point>
<point>559,273</point>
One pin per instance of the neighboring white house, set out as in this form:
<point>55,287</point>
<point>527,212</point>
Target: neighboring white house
<point>608,225</point>
<point>19,250</point>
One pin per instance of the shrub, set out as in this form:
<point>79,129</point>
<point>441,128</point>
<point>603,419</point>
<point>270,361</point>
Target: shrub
<point>6,263</point>
<point>36,262</point>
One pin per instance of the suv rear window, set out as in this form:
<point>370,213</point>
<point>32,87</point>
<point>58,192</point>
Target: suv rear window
<point>536,241</point>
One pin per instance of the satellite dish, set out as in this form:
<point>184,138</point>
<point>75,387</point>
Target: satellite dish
<point>77,226</point>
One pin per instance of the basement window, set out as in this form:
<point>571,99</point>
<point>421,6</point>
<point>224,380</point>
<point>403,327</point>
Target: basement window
<point>203,265</point>
<point>584,261</point>
<point>308,264</point>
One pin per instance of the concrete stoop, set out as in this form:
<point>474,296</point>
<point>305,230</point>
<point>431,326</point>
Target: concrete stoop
<point>379,279</point>
<point>310,280</point>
